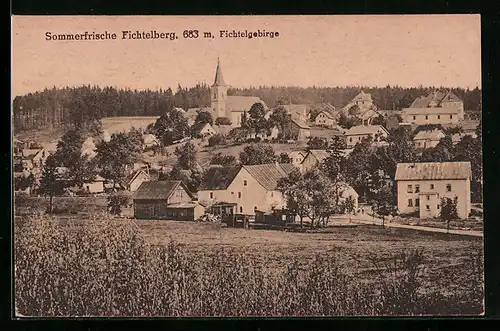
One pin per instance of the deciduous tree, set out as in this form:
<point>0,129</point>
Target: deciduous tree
<point>257,154</point>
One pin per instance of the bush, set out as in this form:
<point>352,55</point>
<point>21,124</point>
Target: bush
<point>106,268</point>
<point>216,139</point>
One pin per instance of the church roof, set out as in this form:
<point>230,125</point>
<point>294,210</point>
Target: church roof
<point>241,103</point>
<point>219,80</point>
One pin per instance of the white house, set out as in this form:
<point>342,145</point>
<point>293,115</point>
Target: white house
<point>325,118</point>
<point>149,140</point>
<point>420,187</point>
<point>248,187</point>
<point>436,108</point>
<point>203,130</point>
<point>94,186</point>
<point>358,133</point>
<point>135,180</point>
<point>362,100</point>
<point>428,139</point>
<point>297,157</point>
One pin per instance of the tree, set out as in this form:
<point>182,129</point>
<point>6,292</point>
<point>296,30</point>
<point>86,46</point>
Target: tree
<point>354,110</point>
<point>171,126</point>
<point>334,165</point>
<point>69,148</point>
<point>115,157</point>
<point>50,181</point>
<point>384,203</point>
<point>222,121</point>
<point>204,116</point>
<point>379,120</point>
<point>291,187</point>
<point>347,123</point>
<point>257,154</point>
<point>187,156</point>
<point>317,143</point>
<point>224,160</point>
<point>279,117</point>
<point>216,139</point>
<point>348,206</point>
<point>448,211</point>
<point>257,118</point>
<point>116,201</point>
<point>357,169</point>
<point>284,158</point>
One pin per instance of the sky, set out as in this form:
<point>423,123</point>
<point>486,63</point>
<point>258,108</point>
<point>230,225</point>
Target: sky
<point>365,50</point>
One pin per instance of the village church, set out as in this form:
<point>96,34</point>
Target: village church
<point>230,106</point>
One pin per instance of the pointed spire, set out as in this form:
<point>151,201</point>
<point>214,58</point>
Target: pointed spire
<point>218,75</point>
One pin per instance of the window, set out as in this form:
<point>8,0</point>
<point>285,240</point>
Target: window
<point>451,117</point>
<point>254,208</point>
<point>417,202</point>
<point>211,195</point>
<point>410,202</point>
<point>432,186</point>
<point>244,183</point>
<point>232,193</point>
<point>410,189</point>
<point>417,188</point>
<point>428,197</point>
<point>438,206</point>
<point>414,117</point>
<point>239,195</point>
<point>439,117</point>
<point>241,209</point>
<point>426,117</point>
<point>350,140</point>
<point>427,207</point>
<point>448,187</point>
<point>272,194</point>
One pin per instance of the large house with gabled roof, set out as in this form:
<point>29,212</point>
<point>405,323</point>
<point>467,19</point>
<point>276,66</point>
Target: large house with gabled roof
<point>248,187</point>
<point>438,107</point>
<point>420,187</point>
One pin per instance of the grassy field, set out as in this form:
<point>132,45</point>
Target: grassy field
<point>116,267</point>
<point>124,124</point>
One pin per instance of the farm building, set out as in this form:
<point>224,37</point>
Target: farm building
<point>358,133</point>
<point>169,199</point>
<point>94,186</point>
<point>250,187</point>
<point>421,186</point>
<point>298,130</point>
<point>297,111</point>
<point>135,179</point>
<point>428,139</point>
<point>202,130</point>
<point>313,159</point>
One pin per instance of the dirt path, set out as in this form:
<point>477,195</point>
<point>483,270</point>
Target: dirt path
<point>367,219</point>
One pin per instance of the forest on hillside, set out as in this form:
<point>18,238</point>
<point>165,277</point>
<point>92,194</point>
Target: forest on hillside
<point>77,106</point>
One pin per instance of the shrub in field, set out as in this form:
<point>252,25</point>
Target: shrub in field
<point>104,267</point>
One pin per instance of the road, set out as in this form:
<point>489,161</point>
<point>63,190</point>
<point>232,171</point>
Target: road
<point>368,219</point>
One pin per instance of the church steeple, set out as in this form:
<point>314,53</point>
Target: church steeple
<point>219,80</point>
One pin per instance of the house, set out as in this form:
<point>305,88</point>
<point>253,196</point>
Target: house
<point>247,188</point>
<point>428,139</point>
<point>169,199</point>
<point>297,129</point>
<point>349,192</point>
<point>420,187</point>
<point>33,158</point>
<point>368,116</point>
<point>325,118</point>
<point>457,137</point>
<point>94,186</point>
<point>297,157</point>
<point>135,179</point>
<point>313,159</point>
<point>362,100</point>
<point>297,111</point>
<point>149,141</point>
<point>88,148</point>
<point>436,108</point>
<point>202,130</point>
<point>358,133</point>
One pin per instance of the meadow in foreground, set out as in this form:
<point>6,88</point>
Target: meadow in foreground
<point>107,267</point>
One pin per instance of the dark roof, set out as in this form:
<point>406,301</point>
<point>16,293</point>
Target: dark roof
<point>158,190</point>
<point>268,174</point>
<point>434,99</point>
<point>300,124</point>
<point>219,80</point>
<point>433,170</point>
<point>218,178</point>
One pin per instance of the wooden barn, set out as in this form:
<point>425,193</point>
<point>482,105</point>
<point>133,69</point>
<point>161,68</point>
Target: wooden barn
<point>169,199</point>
